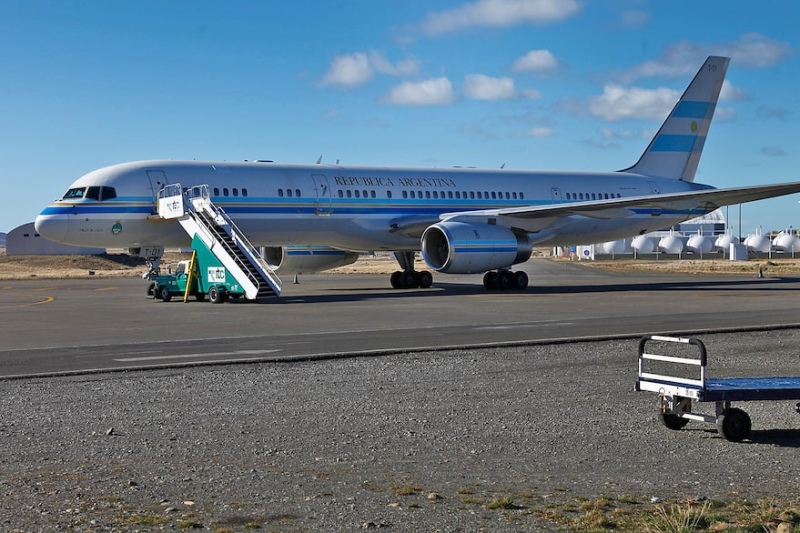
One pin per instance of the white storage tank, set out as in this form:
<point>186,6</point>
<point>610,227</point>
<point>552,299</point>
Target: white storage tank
<point>671,244</point>
<point>757,243</point>
<point>786,242</point>
<point>723,242</point>
<point>643,245</point>
<point>700,244</point>
<point>614,247</point>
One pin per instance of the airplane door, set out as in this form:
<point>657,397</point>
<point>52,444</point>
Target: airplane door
<point>555,194</point>
<point>323,205</point>
<point>654,187</point>
<point>158,180</point>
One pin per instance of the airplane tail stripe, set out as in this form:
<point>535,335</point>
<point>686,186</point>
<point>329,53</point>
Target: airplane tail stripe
<point>700,110</point>
<point>676,143</point>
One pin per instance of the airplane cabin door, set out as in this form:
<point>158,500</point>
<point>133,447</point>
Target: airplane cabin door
<point>654,187</point>
<point>555,194</point>
<point>158,180</point>
<point>321,186</point>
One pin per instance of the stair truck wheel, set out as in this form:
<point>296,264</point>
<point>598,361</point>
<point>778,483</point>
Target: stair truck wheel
<point>215,295</point>
<point>164,293</point>
<point>151,289</point>
<point>734,424</point>
<point>200,296</point>
<point>673,422</point>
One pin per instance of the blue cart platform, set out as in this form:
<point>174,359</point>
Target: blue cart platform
<point>676,393</point>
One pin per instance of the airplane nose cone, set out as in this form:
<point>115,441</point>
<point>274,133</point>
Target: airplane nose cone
<point>52,227</point>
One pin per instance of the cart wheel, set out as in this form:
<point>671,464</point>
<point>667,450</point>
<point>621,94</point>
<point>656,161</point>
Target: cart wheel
<point>674,422</point>
<point>734,424</point>
<point>215,295</point>
<point>165,294</point>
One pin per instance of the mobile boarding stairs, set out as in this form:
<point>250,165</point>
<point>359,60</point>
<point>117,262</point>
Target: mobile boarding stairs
<point>202,219</point>
<point>675,393</point>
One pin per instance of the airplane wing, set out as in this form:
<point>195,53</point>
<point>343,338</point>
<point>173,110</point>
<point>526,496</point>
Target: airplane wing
<point>539,217</point>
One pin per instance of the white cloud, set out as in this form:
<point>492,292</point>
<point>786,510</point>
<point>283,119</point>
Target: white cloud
<point>498,14</point>
<point>751,50</point>
<point>480,87</point>
<point>437,91</point>
<point>756,51</point>
<point>351,70</point>
<point>619,103</point>
<point>348,71</point>
<point>541,132</point>
<point>730,92</point>
<point>532,94</point>
<point>536,61</point>
<point>402,68</point>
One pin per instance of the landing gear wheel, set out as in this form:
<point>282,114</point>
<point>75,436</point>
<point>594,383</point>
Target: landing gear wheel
<point>396,281</point>
<point>165,294</point>
<point>216,296</point>
<point>425,279</point>
<point>490,281</point>
<point>505,279</point>
<point>673,422</point>
<point>734,424</point>
<point>520,280</point>
<point>409,279</point>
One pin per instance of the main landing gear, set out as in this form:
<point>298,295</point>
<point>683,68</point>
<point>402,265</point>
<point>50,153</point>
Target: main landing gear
<point>505,280</point>
<point>408,278</point>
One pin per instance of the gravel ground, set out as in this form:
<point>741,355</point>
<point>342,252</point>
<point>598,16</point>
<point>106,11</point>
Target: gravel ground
<point>411,442</point>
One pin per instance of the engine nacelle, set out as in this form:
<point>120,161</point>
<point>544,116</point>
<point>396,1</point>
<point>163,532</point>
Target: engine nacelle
<point>464,248</point>
<point>307,259</point>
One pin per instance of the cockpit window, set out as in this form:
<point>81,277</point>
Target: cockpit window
<point>107,193</point>
<point>74,194</point>
<point>90,193</point>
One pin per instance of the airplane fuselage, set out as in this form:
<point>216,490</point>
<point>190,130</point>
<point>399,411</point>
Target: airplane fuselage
<point>352,208</point>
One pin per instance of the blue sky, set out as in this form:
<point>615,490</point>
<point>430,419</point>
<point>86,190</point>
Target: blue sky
<point>534,84</point>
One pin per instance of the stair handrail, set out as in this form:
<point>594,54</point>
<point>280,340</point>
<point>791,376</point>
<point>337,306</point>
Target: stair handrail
<point>202,192</point>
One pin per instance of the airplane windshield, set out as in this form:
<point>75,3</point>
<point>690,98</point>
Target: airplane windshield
<point>90,193</point>
<point>74,194</point>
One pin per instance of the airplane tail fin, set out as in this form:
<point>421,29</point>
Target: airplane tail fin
<point>675,150</point>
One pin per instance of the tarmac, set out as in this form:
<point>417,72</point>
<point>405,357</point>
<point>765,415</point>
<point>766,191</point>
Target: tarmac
<point>54,327</point>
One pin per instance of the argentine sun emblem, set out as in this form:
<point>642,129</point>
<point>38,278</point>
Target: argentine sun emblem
<point>116,229</point>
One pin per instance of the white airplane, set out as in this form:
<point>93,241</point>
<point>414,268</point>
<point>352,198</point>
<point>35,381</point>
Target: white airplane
<point>313,217</point>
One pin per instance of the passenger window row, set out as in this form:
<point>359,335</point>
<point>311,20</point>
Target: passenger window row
<point>592,196</point>
<point>465,195</point>
<point>232,192</point>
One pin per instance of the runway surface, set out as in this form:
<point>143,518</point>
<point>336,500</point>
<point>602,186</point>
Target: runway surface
<point>64,326</point>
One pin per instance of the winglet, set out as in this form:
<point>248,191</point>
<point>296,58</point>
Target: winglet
<point>675,150</point>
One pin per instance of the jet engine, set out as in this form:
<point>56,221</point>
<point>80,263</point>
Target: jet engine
<point>307,259</point>
<point>464,248</point>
